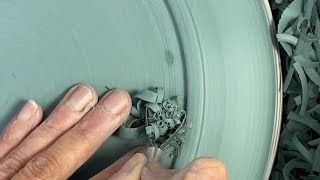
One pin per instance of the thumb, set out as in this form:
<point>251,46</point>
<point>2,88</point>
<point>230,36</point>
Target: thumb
<point>154,170</point>
<point>203,168</point>
<point>131,169</point>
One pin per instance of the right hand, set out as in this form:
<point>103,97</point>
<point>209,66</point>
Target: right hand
<point>134,166</point>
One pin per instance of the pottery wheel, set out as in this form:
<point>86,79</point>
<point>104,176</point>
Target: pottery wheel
<point>218,54</point>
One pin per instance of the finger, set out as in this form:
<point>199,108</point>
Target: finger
<point>116,166</point>
<point>19,127</point>
<point>203,169</point>
<point>131,169</point>
<point>71,150</point>
<point>154,170</point>
<point>77,102</point>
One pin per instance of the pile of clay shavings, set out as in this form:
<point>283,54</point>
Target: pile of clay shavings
<point>162,121</point>
<point>298,31</point>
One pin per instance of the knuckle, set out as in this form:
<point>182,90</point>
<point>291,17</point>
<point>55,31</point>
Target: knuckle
<point>11,164</point>
<point>88,127</point>
<point>62,111</point>
<point>190,175</point>
<point>207,168</point>
<point>62,116</point>
<point>115,119</point>
<point>42,166</point>
<point>211,162</point>
<point>48,128</point>
<point>9,136</point>
<point>199,163</point>
<point>58,120</point>
<point>6,137</point>
<point>84,134</point>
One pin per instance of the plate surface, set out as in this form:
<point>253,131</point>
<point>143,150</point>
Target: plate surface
<point>218,54</point>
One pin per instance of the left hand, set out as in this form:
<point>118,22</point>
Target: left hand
<point>58,146</point>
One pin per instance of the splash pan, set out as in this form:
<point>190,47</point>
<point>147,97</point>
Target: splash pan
<point>218,54</point>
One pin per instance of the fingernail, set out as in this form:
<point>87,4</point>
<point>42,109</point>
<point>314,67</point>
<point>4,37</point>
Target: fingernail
<point>27,111</point>
<point>80,98</point>
<point>115,102</point>
<point>132,163</point>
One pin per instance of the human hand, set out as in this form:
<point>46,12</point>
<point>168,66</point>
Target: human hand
<point>134,166</point>
<point>58,146</point>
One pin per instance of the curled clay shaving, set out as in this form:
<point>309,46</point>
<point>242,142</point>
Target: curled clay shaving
<point>163,122</point>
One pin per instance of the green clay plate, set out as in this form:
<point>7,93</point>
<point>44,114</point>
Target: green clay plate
<point>218,54</point>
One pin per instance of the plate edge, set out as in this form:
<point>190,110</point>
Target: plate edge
<point>278,93</point>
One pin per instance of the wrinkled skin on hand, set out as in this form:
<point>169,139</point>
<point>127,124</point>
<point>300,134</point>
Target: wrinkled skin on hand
<point>57,146</point>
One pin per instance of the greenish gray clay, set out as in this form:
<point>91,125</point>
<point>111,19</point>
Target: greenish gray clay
<point>298,154</point>
<point>217,54</point>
